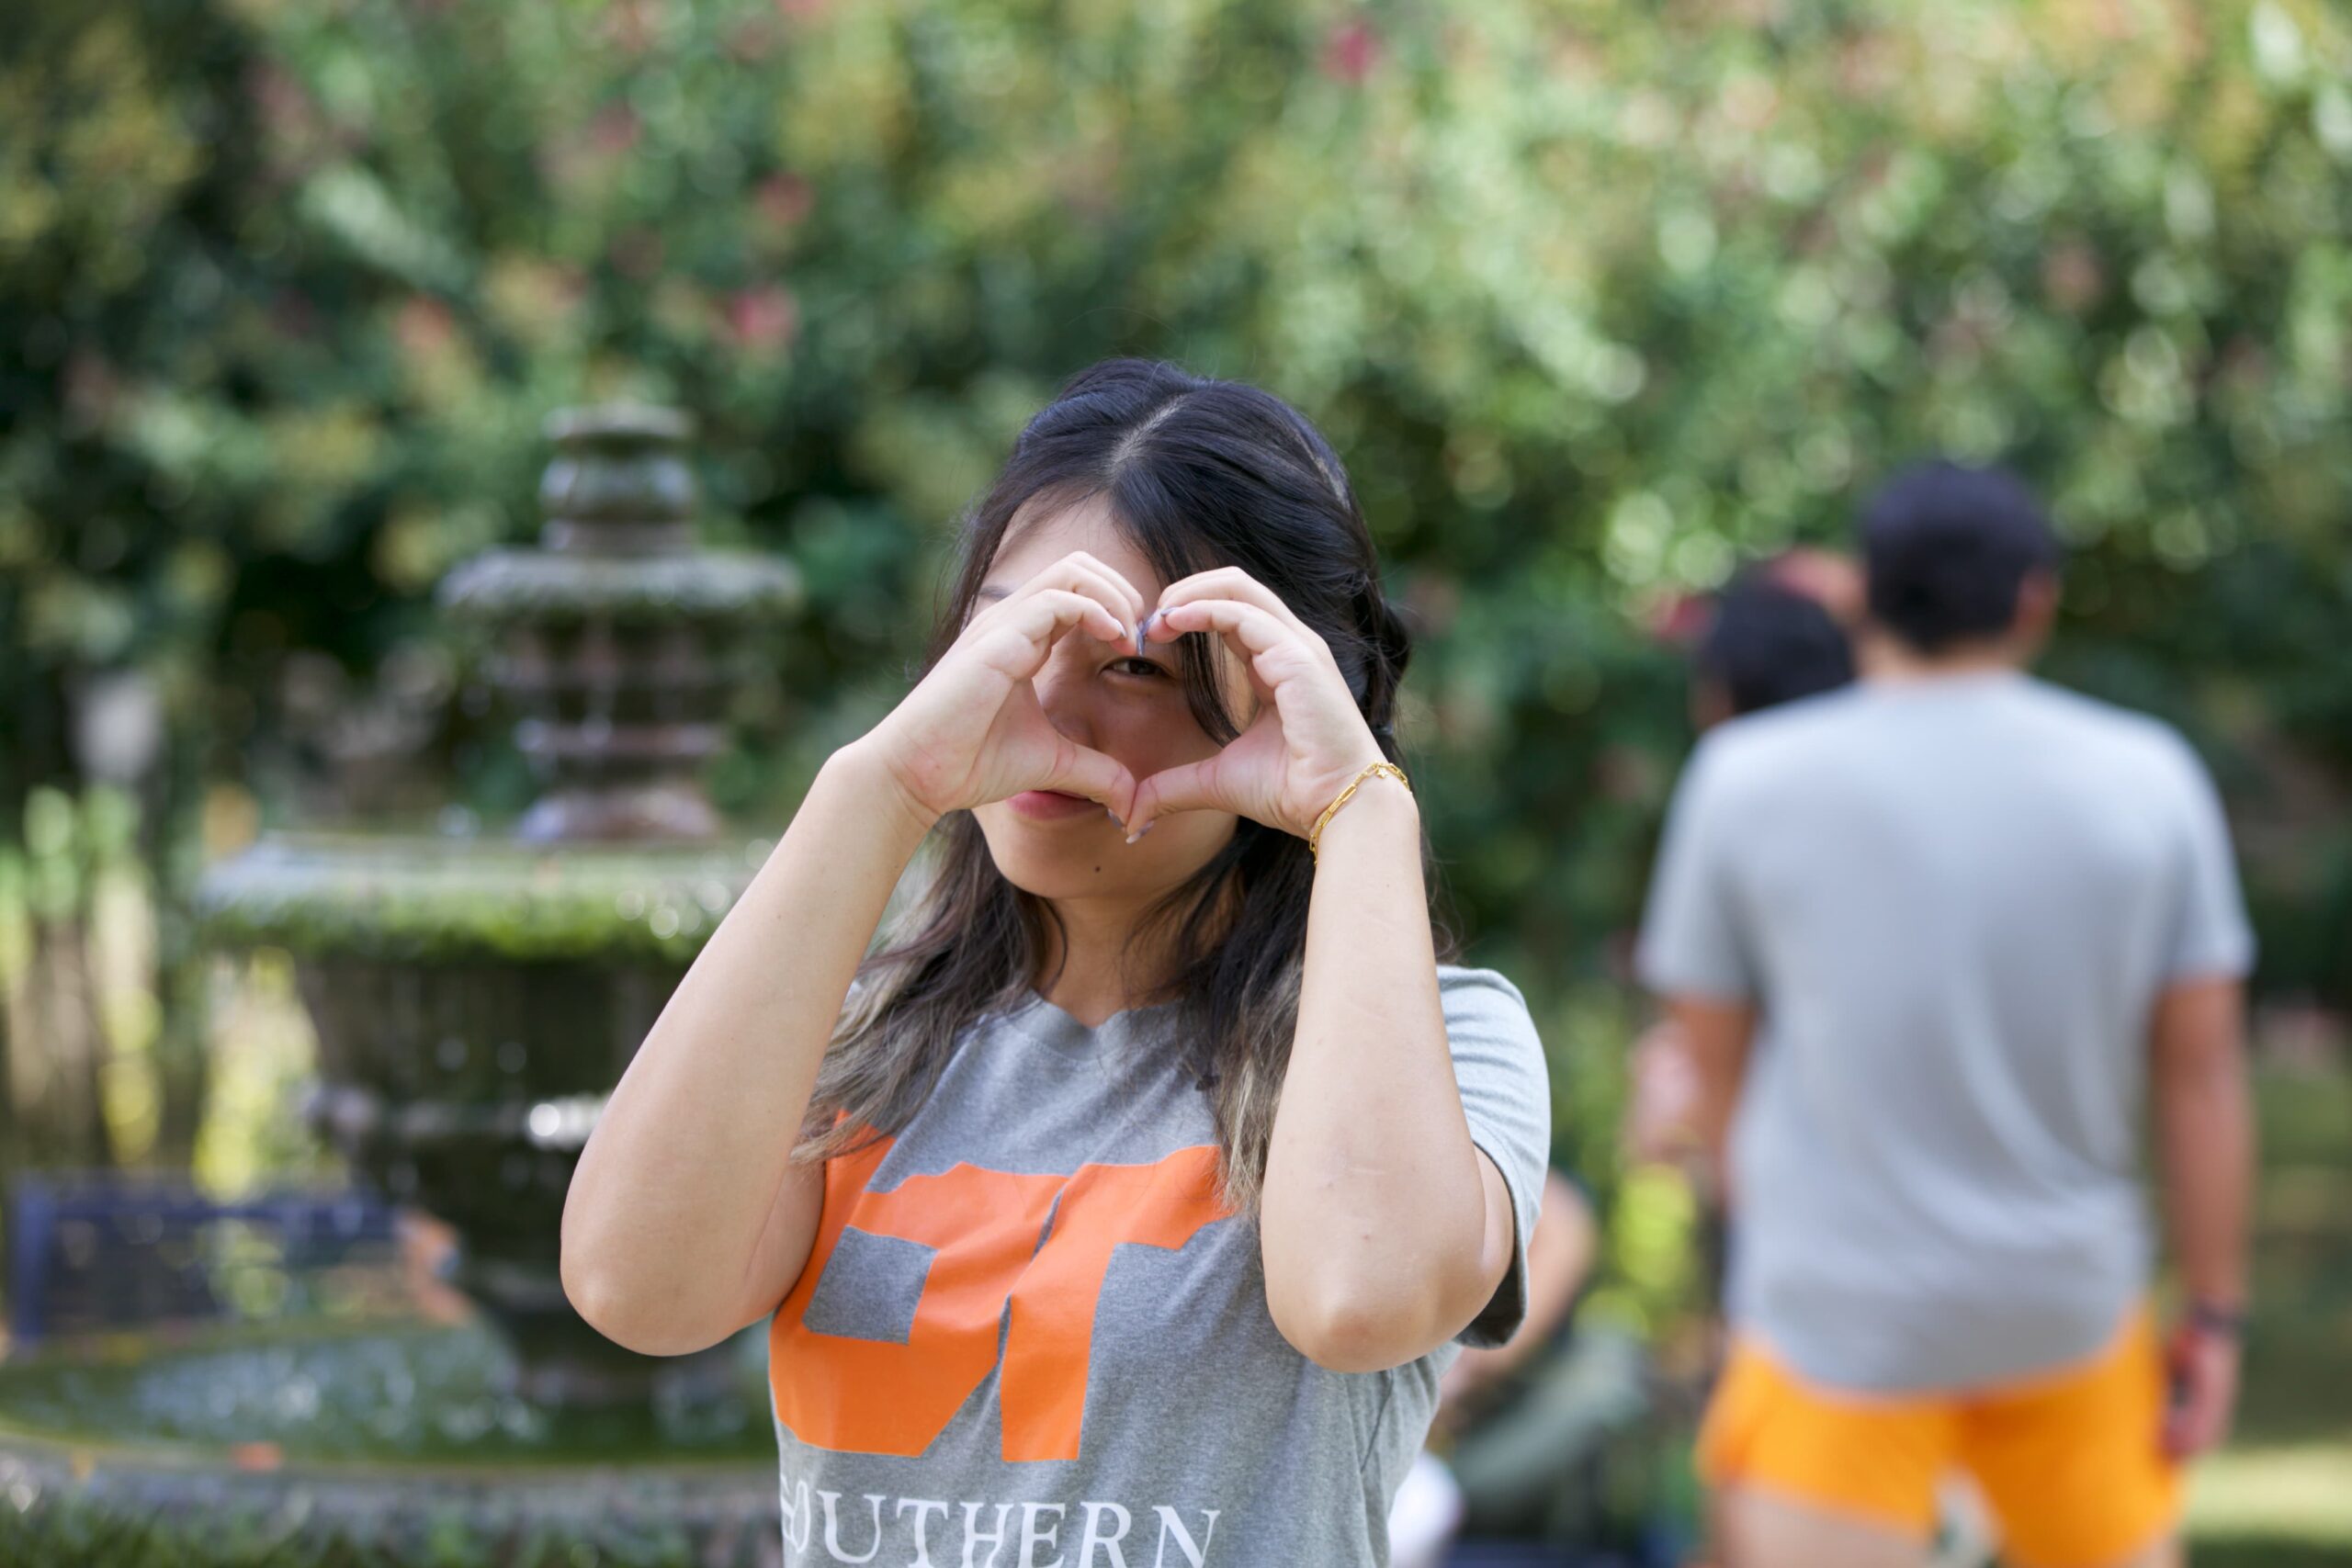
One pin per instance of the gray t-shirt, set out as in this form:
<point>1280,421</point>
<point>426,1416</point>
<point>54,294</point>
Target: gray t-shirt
<point>1028,1337</point>
<point>1953,902</point>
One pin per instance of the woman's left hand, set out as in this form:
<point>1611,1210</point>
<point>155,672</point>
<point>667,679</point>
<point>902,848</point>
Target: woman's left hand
<point>1308,737</point>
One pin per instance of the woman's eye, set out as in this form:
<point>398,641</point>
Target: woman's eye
<point>1137,667</point>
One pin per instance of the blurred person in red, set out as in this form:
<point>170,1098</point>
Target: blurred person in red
<point>1936,941</point>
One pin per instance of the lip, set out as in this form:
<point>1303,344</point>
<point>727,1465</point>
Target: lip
<point>1052,805</point>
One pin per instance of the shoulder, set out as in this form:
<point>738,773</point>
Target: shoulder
<point>1470,987</point>
<point>2124,737</point>
<point>1759,751</point>
<point>1499,1063</point>
<point>1484,1002</point>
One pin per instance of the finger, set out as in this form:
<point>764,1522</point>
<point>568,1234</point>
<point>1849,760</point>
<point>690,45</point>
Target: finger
<point>2184,1435</point>
<point>2173,1435</point>
<point>2210,1418</point>
<point>1270,650</point>
<point>1071,574</point>
<point>1189,787</point>
<point>1081,769</point>
<point>1136,604</point>
<point>1082,572</point>
<point>2194,1424</point>
<point>1045,617</point>
<point>1232,582</point>
<point>1251,629</point>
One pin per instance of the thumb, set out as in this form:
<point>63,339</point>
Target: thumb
<point>2188,1427</point>
<point>2192,1415</point>
<point>1080,770</point>
<point>1191,787</point>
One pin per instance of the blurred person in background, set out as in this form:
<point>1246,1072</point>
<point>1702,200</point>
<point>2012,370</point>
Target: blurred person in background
<point>1517,1425</point>
<point>1517,1422</point>
<point>1782,630</point>
<point>1779,631</point>
<point>1986,922</point>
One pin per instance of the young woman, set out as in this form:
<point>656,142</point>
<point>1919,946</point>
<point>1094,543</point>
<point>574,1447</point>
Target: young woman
<point>1152,1171</point>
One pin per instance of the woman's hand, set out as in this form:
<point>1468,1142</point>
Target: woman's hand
<point>1308,737</point>
<point>972,731</point>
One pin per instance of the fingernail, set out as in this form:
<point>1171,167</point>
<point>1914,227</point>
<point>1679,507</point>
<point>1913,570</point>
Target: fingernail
<point>1143,630</point>
<point>1141,831</point>
<point>1113,817</point>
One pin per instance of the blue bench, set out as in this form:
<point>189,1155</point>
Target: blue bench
<point>91,1250</point>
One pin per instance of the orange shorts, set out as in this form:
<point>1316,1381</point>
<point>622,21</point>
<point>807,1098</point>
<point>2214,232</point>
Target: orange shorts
<point>2068,1460</point>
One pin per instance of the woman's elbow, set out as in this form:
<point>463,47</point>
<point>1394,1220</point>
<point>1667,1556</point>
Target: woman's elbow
<point>665,1327</point>
<point>1364,1326</point>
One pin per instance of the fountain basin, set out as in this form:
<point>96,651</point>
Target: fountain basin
<point>390,1441</point>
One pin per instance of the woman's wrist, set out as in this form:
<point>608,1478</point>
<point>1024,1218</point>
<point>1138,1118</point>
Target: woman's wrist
<point>1381,805</point>
<point>865,775</point>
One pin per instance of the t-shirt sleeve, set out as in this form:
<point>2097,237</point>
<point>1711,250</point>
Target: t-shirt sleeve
<point>2210,935</point>
<point>1692,940</point>
<point>1507,1098</point>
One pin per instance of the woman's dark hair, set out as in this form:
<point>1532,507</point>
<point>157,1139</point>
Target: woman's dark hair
<point>1946,549</point>
<point>1198,473</point>
<point>1769,644</point>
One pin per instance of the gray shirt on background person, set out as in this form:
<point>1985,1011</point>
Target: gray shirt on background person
<point>1953,902</point>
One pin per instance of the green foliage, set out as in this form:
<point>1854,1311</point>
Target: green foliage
<point>1596,300</point>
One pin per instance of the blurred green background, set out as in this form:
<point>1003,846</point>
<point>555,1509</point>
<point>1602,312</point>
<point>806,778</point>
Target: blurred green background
<point>1596,300</point>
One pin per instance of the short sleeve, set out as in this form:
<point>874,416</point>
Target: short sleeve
<point>1506,1099</point>
<point>1691,941</point>
<point>2210,935</point>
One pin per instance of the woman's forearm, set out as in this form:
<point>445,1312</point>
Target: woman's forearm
<point>684,1177</point>
<point>1376,1232</point>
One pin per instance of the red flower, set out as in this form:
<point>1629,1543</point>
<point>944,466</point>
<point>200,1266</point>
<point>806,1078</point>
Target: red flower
<point>1350,51</point>
<point>1680,618</point>
<point>783,200</point>
<point>751,41</point>
<point>764,320</point>
<point>614,131</point>
<point>424,328</point>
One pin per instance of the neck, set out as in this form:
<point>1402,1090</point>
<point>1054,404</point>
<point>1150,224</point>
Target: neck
<point>1098,965</point>
<point>1097,968</point>
<point>1888,660</point>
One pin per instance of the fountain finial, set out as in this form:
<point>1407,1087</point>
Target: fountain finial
<point>619,640</point>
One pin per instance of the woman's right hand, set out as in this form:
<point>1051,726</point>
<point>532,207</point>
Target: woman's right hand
<point>972,730</point>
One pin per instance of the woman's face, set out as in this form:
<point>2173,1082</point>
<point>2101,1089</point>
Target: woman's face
<point>1132,709</point>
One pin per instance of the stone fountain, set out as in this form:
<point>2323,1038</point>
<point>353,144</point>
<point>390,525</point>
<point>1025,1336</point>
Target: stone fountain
<point>474,997</point>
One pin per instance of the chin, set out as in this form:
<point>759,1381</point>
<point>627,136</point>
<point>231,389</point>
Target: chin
<point>1050,860</point>
<point>1057,861</point>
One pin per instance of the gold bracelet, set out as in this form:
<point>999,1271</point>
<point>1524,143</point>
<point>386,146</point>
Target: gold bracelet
<point>1315,838</point>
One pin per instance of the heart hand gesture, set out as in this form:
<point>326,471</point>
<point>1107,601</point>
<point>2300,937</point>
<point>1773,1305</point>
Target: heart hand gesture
<point>1307,739</point>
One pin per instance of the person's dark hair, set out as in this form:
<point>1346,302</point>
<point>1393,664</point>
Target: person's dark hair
<point>1769,644</point>
<point>1199,473</point>
<point>1946,548</point>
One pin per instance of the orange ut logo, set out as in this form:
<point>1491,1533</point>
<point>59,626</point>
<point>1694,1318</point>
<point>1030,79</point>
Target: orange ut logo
<point>866,1396</point>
